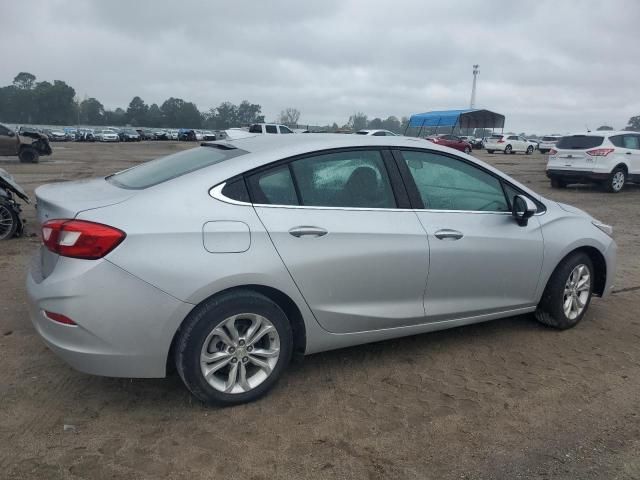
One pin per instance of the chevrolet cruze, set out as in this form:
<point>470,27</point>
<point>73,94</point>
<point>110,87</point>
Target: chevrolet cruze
<point>227,259</point>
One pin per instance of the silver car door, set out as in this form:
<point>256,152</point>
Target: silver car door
<point>481,260</point>
<point>360,262</point>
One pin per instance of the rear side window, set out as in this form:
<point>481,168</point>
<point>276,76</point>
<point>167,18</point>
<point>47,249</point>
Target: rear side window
<point>236,190</point>
<point>274,187</point>
<point>172,166</point>
<point>284,129</point>
<point>579,142</point>
<point>617,140</point>
<point>356,179</point>
<point>271,129</point>
<point>255,129</point>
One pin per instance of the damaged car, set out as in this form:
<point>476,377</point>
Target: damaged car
<point>28,145</point>
<point>11,221</point>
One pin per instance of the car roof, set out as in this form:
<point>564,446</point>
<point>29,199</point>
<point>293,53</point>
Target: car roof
<point>599,133</point>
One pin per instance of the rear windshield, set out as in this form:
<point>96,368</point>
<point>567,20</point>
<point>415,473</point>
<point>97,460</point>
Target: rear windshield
<point>497,136</point>
<point>362,132</point>
<point>549,139</point>
<point>579,142</point>
<point>172,166</point>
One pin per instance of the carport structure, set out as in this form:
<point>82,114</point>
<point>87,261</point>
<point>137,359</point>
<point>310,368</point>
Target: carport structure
<point>469,118</point>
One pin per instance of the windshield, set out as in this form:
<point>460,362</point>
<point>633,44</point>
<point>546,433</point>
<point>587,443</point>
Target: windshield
<point>173,166</point>
<point>579,142</point>
<point>549,139</point>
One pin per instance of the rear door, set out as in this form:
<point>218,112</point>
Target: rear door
<point>481,261</point>
<point>632,144</point>
<point>359,260</point>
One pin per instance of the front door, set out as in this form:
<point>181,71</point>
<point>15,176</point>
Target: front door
<point>8,142</point>
<point>481,260</point>
<point>360,263</point>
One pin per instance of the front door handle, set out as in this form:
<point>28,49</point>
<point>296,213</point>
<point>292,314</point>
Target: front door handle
<point>307,232</point>
<point>448,234</point>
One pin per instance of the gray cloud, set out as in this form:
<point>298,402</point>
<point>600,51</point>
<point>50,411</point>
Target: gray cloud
<point>548,66</point>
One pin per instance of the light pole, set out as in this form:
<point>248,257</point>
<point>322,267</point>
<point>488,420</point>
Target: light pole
<point>476,71</point>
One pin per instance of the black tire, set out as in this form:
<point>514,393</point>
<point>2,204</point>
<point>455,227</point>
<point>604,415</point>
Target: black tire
<point>209,315</point>
<point>507,149</point>
<point>9,221</point>
<point>543,151</point>
<point>551,307</point>
<point>489,151</point>
<point>617,180</point>
<point>29,155</point>
<point>529,150</point>
<point>467,150</point>
<point>558,183</point>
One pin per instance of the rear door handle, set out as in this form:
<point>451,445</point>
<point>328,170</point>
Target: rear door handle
<point>448,234</point>
<point>307,232</point>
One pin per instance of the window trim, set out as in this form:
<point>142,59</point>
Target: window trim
<point>414,194</point>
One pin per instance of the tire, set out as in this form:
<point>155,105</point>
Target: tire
<point>551,309</point>
<point>243,310</point>
<point>467,150</point>
<point>29,155</point>
<point>529,150</point>
<point>489,151</point>
<point>9,221</point>
<point>543,151</point>
<point>558,183</point>
<point>507,149</point>
<point>617,180</point>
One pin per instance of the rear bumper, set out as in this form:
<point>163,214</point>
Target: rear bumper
<point>124,325</point>
<point>577,175</point>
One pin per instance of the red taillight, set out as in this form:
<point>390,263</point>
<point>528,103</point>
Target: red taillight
<point>57,317</point>
<point>600,152</point>
<point>552,152</point>
<point>500,141</point>
<point>80,239</point>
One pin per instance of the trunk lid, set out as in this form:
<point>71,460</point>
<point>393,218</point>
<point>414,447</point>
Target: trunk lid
<point>67,200</point>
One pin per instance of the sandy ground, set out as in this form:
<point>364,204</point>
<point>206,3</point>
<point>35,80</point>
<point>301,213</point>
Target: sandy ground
<point>502,400</point>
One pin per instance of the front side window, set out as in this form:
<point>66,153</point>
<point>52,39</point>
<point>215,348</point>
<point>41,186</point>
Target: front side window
<point>271,129</point>
<point>356,179</point>
<point>445,183</point>
<point>4,131</point>
<point>284,129</point>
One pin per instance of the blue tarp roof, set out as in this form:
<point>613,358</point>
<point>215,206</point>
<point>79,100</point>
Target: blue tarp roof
<point>469,118</point>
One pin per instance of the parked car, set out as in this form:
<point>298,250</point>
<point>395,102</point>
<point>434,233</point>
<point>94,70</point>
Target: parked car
<point>160,135</point>
<point>187,135</point>
<point>208,135</point>
<point>173,134</point>
<point>535,142</point>
<point>28,144</point>
<point>295,246</point>
<point>129,135</point>
<point>85,135</point>
<point>264,128</point>
<point>451,141</point>
<point>509,144</point>
<point>376,133</point>
<point>55,135</point>
<point>106,135</point>
<point>548,142</point>
<point>476,143</point>
<point>199,135</point>
<point>70,133</point>
<point>11,221</point>
<point>610,158</point>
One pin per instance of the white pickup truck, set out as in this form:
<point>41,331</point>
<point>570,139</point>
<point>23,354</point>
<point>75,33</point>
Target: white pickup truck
<point>269,128</point>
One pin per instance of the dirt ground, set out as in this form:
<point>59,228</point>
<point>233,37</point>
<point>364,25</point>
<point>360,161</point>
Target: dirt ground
<point>507,399</point>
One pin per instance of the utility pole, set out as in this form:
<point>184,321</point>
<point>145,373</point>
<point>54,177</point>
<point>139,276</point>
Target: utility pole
<point>476,71</point>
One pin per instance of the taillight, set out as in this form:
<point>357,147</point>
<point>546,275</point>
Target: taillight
<point>80,239</point>
<point>500,141</point>
<point>600,152</point>
<point>552,152</point>
<point>57,317</point>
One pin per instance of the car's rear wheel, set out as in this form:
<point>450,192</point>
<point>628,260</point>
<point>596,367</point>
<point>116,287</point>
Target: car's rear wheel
<point>558,183</point>
<point>233,348</point>
<point>616,181</point>
<point>529,149</point>
<point>568,293</point>
<point>507,149</point>
<point>29,155</point>
<point>489,151</point>
<point>467,150</point>
<point>9,221</point>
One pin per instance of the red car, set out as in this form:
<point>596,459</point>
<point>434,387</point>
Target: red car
<point>451,141</point>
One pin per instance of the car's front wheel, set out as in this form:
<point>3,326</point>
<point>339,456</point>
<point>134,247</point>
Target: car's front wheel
<point>529,149</point>
<point>467,150</point>
<point>568,293</point>
<point>507,149</point>
<point>29,155</point>
<point>233,348</point>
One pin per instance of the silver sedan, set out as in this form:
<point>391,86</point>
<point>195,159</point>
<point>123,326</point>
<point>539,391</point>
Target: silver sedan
<point>228,259</point>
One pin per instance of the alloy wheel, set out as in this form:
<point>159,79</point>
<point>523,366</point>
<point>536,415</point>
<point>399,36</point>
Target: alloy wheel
<point>240,353</point>
<point>6,222</point>
<point>617,182</point>
<point>576,291</point>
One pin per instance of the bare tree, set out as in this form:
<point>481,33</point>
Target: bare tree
<point>289,116</point>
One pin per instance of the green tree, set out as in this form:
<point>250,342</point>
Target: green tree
<point>117,117</point>
<point>91,112</point>
<point>358,121</point>
<point>226,115</point>
<point>604,128</point>
<point>392,124</point>
<point>248,113</point>
<point>24,81</point>
<point>154,116</point>
<point>137,111</point>
<point>375,123</point>
<point>634,124</point>
<point>178,113</point>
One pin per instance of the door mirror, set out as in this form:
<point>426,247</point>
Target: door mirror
<point>523,209</point>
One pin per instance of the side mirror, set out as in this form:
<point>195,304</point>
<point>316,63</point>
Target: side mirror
<point>523,209</point>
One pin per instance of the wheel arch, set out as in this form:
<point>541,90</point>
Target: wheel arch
<point>623,166</point>
<point>599,266</point>
<point>284,301</point>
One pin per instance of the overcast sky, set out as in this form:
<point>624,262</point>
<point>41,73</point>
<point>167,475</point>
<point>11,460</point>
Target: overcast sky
<point>549,66</point>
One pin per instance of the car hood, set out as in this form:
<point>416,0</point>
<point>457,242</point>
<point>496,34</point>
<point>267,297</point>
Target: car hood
<point>572,209</point>
<point>7,182</point>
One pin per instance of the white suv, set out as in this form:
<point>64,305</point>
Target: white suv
<point>609,158</point>
<point>509,144</point>
<point>269,128</point>
<point>548,142</point>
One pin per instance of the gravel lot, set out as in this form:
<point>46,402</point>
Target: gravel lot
<point>506,399</point>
